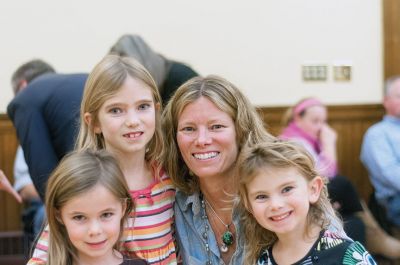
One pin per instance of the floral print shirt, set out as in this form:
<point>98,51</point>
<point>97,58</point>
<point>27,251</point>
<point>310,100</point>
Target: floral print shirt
<point>329,249</point>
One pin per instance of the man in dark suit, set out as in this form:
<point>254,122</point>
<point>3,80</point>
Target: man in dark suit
<point>46,116</point>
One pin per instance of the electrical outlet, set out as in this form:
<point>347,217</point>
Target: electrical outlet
<point>315,72</point>
<point>342,72</point>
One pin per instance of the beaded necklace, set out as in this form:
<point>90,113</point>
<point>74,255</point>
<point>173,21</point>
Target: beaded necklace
<point>227,236</point>
<point>206,227</point>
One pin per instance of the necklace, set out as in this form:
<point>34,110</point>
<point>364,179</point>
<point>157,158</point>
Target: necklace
<point>227,237</point>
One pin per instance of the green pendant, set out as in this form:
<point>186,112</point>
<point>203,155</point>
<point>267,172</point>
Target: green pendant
<point>227,238</point>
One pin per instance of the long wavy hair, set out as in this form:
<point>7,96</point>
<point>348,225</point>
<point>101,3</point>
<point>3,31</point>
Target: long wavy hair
<point>228,98</point>
<point>103,82</point>
<point>271,155</point>
<point>76,174</point>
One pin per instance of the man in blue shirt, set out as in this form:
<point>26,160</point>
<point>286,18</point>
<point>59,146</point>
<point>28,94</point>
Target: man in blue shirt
<point>380,152</point>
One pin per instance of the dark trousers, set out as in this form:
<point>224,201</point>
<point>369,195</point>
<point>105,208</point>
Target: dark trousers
<point>343,192</point>
<point>32,218</point>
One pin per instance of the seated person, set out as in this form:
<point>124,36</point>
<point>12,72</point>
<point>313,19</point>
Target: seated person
<point>380,153</point>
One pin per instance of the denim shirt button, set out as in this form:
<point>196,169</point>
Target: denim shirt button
<point>205,235</point>
<point>208,262</point>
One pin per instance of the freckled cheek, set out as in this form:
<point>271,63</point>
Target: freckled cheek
<point>183,142</point>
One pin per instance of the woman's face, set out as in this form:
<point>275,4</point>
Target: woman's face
<point>206,138</point>
<point>312,120</point>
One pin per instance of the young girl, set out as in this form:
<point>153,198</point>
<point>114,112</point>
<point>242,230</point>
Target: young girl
<point>286,212</point>
<point>120,112</point>
<point>87,202</point>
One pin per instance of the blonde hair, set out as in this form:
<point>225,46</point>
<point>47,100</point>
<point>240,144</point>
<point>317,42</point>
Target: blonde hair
<point>278,154</point>
<point>103,82</point>
<point>77,173</point>
<point>228,99</point>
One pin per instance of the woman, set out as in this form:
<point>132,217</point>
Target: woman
<point>306,124</point>
<point>206,123</point>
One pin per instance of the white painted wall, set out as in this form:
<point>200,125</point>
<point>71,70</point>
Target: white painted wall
<point>259,45</point>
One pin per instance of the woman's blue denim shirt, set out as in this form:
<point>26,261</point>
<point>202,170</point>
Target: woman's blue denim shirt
<point>193,237</point>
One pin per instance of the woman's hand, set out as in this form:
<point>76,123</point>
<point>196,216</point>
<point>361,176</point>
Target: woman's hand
<point>6,186</point>
<point>328,137</point>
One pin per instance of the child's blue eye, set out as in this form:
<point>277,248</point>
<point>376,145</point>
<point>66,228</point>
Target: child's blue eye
<point>261,197</point>
<point>287,189</point>
<point>115,110</point>
<point>107,215</point>
<point>78,218</point>
<point>144,106</point>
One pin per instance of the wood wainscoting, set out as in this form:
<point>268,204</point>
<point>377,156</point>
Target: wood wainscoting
<point>350,123</point>
<point>10,210</point>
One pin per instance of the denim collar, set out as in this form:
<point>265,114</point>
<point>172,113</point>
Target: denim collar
<point>194,202</point>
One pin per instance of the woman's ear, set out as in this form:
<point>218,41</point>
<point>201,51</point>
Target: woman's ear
<point>157,106</point>
<point>88,118</point>
<point>315,187</point>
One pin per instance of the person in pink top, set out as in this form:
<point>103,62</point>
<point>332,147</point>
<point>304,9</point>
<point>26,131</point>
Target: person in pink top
<point>307,125</point>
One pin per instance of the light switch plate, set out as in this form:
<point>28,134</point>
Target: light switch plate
<point>342,72</point>
<point>315,72</point>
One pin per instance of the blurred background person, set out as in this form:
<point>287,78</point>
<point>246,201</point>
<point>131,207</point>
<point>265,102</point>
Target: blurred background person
<point>380,153</point>
<point>167,73</point>
<point>45,114</point>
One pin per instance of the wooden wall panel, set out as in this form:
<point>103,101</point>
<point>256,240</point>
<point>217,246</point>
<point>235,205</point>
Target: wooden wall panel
<point>10,210</point>
<point>350,123</point>
<point>391,32</point>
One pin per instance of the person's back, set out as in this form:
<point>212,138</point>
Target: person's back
<point>46,116</point>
